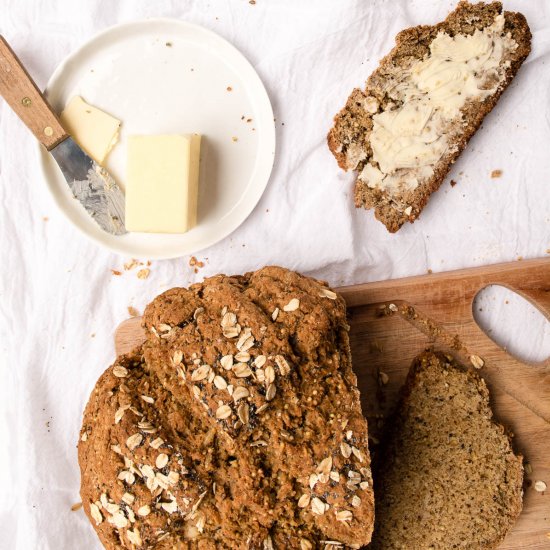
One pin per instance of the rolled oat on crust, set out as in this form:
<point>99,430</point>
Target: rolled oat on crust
<point>145,466</point>
<point>256,404</point>
<point>414,118</point>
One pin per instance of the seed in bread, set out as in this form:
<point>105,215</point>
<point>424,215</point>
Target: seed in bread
<point>447,476</point>
<point>149,469</point>
<point>423,103</point>
<point>259,418</point>
<point>289,401</point>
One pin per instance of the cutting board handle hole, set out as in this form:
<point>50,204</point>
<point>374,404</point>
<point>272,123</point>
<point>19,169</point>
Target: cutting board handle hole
<point>513,323</point>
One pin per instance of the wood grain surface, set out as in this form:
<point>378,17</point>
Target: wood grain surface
<point>23,96</point>
<point>392,321</point>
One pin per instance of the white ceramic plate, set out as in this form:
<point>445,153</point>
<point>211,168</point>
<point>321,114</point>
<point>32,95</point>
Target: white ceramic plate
<point>162,76</point>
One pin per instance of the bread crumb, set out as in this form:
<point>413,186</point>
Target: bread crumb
<point>76,506</point>
<point>168,44</point>
<point>235,138</point>
<point>133,312</point>
<point>193,262</point>
<point>253,2</point>
<point>496,173</point>
<point>477,361</point>
<point>229,89</point>
<point>143,273</point>
<point>92,335</point>
<point>453,183</point>
<point>131,264</point>
<point>116,272</point>
<point>540,486</point>
<point>520,258</point>
<point>46,219</point>
<point>430,271</point>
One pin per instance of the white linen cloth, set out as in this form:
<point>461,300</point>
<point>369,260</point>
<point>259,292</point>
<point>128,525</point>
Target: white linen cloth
<point>59,301</point>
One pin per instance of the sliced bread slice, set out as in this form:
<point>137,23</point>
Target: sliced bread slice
<point>423,103</point>
<point>447,476</point>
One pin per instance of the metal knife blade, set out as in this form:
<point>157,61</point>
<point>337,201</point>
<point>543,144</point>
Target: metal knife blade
<point>92,185</point>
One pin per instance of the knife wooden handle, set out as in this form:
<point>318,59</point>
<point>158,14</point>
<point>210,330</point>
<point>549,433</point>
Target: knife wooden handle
<point>23,96</point>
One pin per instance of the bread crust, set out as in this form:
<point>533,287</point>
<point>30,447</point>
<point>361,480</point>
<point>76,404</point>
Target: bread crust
<point>268,448</point>
<point>110,469</point>
<point>353,124</point>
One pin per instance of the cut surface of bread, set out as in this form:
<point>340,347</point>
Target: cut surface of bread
<point>423,103</point>
<point>237,425</point>
<point>447,477</point>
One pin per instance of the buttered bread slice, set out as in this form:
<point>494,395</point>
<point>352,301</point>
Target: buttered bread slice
<point>423,103</point>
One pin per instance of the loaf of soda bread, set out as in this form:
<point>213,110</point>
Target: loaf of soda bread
<point>237,424</point>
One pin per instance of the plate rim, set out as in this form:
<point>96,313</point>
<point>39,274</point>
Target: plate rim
<point>46,162</point>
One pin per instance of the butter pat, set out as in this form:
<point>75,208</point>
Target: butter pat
<point>95,131</point>
<point>162,183</point>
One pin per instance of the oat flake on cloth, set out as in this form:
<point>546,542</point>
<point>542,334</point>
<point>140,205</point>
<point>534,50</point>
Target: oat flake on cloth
<point>59,301</point>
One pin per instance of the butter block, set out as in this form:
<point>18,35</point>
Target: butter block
<point>95,131</point>
<point>162,180</point>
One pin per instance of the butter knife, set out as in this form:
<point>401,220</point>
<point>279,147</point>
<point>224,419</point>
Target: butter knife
<point>89,182</point>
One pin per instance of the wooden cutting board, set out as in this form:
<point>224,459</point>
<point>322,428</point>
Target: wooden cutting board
<point>392,321</point>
